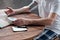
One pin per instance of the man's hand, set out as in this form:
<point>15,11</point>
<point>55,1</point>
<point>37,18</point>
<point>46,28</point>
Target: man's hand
<point>22,21</point>
<point>10,11</point>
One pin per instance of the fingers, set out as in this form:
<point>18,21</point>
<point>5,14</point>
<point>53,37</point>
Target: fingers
<point>18,22</point>
<point>10,9</point>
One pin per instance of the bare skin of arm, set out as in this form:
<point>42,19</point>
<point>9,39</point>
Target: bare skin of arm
<point>45,21</point>
<point>41,21</point>
<point>11,11</point>
<point>24,21</point>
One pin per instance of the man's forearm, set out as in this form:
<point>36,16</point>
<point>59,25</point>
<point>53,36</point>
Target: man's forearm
<point>45,21</point>
<point>23,9</point>
<point>11,11</point>
<point>41,21</point>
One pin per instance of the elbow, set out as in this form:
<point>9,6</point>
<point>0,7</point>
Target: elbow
<point>49,22</point>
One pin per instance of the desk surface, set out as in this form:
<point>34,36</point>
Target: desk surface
<point>8,34</point>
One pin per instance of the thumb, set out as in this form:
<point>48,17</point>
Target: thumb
<point>10,9</point>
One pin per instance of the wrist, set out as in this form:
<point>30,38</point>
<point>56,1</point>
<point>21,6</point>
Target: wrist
<point>27,22</point>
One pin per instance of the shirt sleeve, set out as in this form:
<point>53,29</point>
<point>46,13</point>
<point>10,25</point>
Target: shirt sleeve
<point>55,8</point>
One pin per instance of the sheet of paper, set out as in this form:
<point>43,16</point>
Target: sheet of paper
<point>3,19</point>
<point>12,18</point>
<point>3,23</point>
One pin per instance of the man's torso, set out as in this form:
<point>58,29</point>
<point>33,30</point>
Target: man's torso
<point>44,7</point>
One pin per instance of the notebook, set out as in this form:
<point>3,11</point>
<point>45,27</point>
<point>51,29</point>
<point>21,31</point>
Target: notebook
<point>4,19</point>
